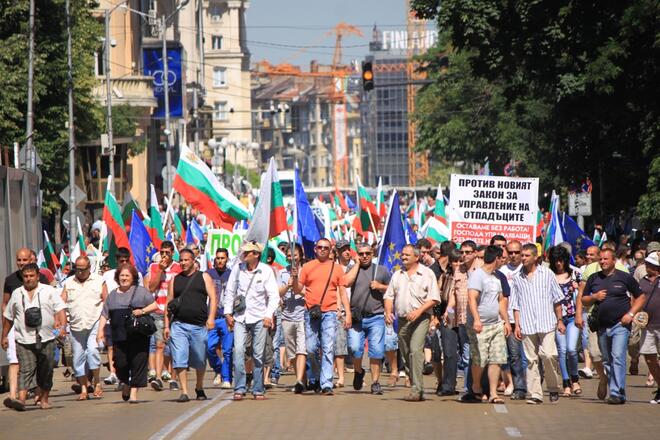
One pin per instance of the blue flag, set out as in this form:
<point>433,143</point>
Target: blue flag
<point>142,247</point>
<point>307,232</point>
<point>394,237</point>
<point>574,235</point>
<point>350,203</point>
<point>196,231</point>
<point>411,236</point>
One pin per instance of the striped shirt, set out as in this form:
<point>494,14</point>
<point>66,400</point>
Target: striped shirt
<point>534,297</point>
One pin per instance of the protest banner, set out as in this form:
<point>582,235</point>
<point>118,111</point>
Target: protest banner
<point>222,238</point>
<point>483,206</point>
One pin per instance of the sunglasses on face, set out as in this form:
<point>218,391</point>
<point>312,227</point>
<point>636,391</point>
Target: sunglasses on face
<point>467,252</point>
<point>81,269</point>
<point>166,252</point>
<point>323,248</point>
<point>364,254</point>
<point>513,252</point>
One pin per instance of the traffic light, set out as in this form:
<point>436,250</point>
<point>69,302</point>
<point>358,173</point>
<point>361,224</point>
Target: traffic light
<point>367,76</point>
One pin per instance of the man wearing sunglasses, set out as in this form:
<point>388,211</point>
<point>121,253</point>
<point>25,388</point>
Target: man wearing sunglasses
<point>368,286</point>
<point>321,282</point>
<point>158,279</point>
<point>83,296</point>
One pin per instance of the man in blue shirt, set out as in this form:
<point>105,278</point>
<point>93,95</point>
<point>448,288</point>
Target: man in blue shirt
<point>220,337</point>
<point>611,289</point>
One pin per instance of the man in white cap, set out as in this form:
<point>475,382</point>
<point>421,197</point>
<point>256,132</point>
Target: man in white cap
<point>251,297</point>
<point>650,339</point>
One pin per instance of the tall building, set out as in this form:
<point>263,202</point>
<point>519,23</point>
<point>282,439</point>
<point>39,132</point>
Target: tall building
<point>385,109</point>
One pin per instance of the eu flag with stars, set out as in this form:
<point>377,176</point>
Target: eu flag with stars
<point>574,235</point>
<point>142,247</point>
<point>394,238</point>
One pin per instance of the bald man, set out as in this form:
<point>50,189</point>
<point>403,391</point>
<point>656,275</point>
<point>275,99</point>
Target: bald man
<point>13,282</point>
<point>84,295</point>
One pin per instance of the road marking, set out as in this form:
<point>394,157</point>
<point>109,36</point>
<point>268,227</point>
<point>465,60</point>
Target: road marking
<point>501,409</point>
<point>193,426</point>
<point>512,431</point>
<point>174,424</point>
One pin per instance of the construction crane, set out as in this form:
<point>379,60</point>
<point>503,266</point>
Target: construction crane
<point>418,161</point>
<point>340,30</point>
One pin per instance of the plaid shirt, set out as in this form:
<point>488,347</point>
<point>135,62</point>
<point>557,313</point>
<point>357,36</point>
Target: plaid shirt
<point>461,291</point>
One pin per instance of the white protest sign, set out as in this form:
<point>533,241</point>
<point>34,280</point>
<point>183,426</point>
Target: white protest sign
<point>483,206</point>
<point>222,238</point>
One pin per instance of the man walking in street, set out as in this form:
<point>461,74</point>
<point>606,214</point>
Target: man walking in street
<point>611,289</point>
<point>190,322</point>
<point>650,341</point>
<point>414,291</point>
<point>320,281</point>
<point>83,296</point>
<point>368,309</point>
<point>220,339</point>
<point>158,280</point>
<point>34,311</point>
<point>536,298</point>
<point>488,326</point>
<point>251,298</point>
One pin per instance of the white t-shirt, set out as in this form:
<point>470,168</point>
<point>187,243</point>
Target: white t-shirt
<point>510,271</point>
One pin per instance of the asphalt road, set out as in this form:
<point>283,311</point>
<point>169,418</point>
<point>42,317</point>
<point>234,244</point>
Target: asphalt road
<point>348,414</point>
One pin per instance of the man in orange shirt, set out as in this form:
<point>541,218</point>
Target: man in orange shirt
<point>321,283</point>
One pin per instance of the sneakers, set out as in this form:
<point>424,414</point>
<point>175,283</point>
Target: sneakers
<point>299,387</point>
<point>174,386</point>
<point>613,400</point>
<point>217,380</point>
<point>358,380</point>
<point>166,376</point>
<point>200,394</point>
<point>226,385</point>
<point>157,384</point>
<point>151,376</point>
<point>554,397</point>
<point>111,380</point>
<point>376,389</point>
<point>183,398</point>
<point>656,398</point>
<point>327,391</point>
<point>534,401</point>
<point>586,373</point>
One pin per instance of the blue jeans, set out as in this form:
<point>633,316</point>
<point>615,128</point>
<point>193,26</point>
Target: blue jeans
<point>258,332</point>
<point>321,338</point>
<point>221,335</point>
<point>613,343</point>
<point>278,342</point>
<point>449,341</point>
<point>516,357</point>
<point>464,360</point>
<point>371,329</point>
<point>188,345</point>
<point>568,343</point>
<point>85,350</point>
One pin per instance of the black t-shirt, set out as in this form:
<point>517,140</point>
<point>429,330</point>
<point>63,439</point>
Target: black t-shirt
<point>619,286</point>
<point>193,308</point>
<point>506,289</point>
<point>15,280</point>
<point>437,270</point>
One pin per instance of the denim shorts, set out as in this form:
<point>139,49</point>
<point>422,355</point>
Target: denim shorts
<point>188,345</point>
<point>373,330</point>
<point>391,339</point>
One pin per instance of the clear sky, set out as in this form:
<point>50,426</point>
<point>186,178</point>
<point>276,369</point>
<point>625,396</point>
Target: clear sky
<point>272,24</point>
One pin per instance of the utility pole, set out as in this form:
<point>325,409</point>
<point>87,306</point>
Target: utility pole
<point>166,84</point>
<point>108,91</point>
<point>30,154</point>
<point>72,146</point>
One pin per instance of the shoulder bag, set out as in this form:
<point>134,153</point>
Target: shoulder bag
<point>357,313</point>
<point>239,300</point>
<point>174,305</point>
<point>143,325</point>
<point>315,311</point>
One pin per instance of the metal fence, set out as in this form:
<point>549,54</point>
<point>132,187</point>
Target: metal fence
<point>20,215</point>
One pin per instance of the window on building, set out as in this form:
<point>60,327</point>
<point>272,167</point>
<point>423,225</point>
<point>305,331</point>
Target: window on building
<point>219,77</point>
<point>216,42</point>
<point>220,111</point>
<point>215,11</point>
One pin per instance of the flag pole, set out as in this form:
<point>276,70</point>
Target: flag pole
<point>357,194</point>
<point>387,222</point>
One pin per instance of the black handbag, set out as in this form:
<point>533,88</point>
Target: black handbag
<point>33,314</point>
<point>239,300</point>
<point>356,312</point>
<point>174,305</point>
<point>143,325</point>
<point>593,320</point>
<point>315,311</point>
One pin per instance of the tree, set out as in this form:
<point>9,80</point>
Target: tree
<point>567,87</point>
<point>50,83</point>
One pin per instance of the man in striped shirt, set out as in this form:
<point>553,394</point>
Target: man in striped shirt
<point>535,297</point>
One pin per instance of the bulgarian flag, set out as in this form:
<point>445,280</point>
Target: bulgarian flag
<point>199,186</point>
<point>178,225</point>
<point>113,219</point>
<point>367,218</point>
<point>340,201</point>
<point>269,218</point>
<point>439,210</point>
<point>381,208</point>
<point>130,205</point>
<point>79,247</point>
<point>539,223</point>
<point>64,260</point>
<point>48,255</point>
<point>155,226</point>
<point>280,261</point>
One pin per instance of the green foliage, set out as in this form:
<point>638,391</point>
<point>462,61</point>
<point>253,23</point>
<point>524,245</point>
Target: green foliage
<point>253,176</point>
<point>50,83</point>
<point>566,88</point>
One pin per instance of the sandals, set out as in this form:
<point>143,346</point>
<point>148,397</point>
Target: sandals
<point>259,397</point>
<point>238,396</point>
<point>496,400</point>
<point>98,392</point>
<point>567,392</point>
<point>471,397</point>
<point>391,382</point>
<point>577,391</point>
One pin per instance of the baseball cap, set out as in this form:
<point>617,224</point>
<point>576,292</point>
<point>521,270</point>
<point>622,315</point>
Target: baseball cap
<point>653,259</point>
<point>252,246</point>
<point>653,246</point>
<point>342,244</point>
